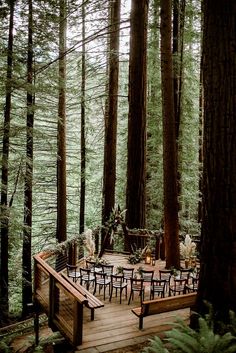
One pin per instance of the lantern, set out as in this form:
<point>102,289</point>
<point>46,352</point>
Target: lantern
<point>153,260</point>
<point>148,256</point>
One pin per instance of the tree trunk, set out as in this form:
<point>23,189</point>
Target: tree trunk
<point>26,255</point>
<point>218,251</point>
<point>178,40</point>
<point>109,171</point>
<point>83,141</point>
<point>200,150</point>
<point>171,224</point>
<point>109,168</point>
<point>4,303</point>
<point>61,159</point>
<point>136,164</point>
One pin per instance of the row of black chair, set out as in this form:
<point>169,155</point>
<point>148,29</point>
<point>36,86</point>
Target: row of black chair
<point>103,277</point>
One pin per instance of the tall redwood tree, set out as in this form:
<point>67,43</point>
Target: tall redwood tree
<point>218,250</point>
<point>109,169</point>
<point>27,232</point>
<point>171,224</point>
<point>61,138</point>
<point>82,126</point>
<point>136,164</point>
<point>4,293</point>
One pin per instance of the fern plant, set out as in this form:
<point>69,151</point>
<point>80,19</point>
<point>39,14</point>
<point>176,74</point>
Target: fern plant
<point>183,339</point>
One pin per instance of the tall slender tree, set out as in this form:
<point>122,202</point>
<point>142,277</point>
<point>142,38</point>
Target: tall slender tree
<point>218,251</point>
<point>27,230</point>
<point>178,41</point>
<point>136,164</point>
<point>109,170</point>
<point>171,224</point>
<point>61,138</point>
<point>4,293</point>
<point>83,141</point>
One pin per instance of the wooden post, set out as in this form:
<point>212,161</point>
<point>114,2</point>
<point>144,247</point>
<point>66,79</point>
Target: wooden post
<point>78,324</point>
<point>157,250</point>
<point>36,323</point>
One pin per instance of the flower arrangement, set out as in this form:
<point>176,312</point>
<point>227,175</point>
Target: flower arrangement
<point>187,247</point>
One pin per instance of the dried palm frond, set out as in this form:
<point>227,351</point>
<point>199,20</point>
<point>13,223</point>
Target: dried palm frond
<point>89,243</point>
<point>187,248</point>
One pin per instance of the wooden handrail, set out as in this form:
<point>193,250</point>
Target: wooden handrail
<point>66,285</point>
<point>59,300</point>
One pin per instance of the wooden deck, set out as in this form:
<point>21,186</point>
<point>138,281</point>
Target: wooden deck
<point>115,327</point>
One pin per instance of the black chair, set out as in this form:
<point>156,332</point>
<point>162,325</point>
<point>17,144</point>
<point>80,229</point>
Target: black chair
<point>136,285</point>
<point>158,286</point>
<point>185,273</point>
<point>128,273</point>
<point>102,280</point>
<point>192,287</point>
<point>165,275</point>
<point>87,277</point>
<point>90,264</point>
<point>147,276</point>
<point>73,272</point>
<point>118,282</point>
<point>108,270</point>
<point>178,286</point>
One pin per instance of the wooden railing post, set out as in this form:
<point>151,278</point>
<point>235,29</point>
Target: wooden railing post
<point>53,301</point>
<point>78,324</point>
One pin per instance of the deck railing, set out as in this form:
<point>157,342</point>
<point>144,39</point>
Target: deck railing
<point>58,299</point>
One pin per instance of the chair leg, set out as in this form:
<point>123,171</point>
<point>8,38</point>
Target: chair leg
<point>130,297</point>
<point>111,293</point>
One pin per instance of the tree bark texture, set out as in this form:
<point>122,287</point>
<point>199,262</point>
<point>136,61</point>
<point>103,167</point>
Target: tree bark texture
<point>4,304</point>
<point>218,248</point>
<point>83,138</point>
<point>61,159</point>
<point>136,164</point>
<point>171,224</point>
<point>109,170</point>
<point>27,232</point>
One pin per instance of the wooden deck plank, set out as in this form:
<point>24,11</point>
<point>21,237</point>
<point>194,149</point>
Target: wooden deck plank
<point>115,324</point>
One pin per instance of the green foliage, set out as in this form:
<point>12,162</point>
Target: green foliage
<point>183,339</point>
<point>4,347</point>
<point>136,256</point>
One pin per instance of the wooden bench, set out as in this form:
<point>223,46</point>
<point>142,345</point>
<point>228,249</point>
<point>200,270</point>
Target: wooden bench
<point>92,302</point>
<point>162,305</point>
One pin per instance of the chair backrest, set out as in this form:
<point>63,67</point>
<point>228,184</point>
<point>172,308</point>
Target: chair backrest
<point>108,269</point>
<point>128,272</point>
<point>71,270</point>
<point>165,274</point>
<point>90,264</point>
<point>117,279</point>
<point>159,283</point>
<point>136,283</point>
<point>147,275</point>
<point>100,276</point>
<point>179,282</point>
<point>184,273</point>
<point>85,272</point>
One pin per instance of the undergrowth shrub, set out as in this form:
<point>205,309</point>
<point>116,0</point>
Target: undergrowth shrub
<point>183,339</point>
